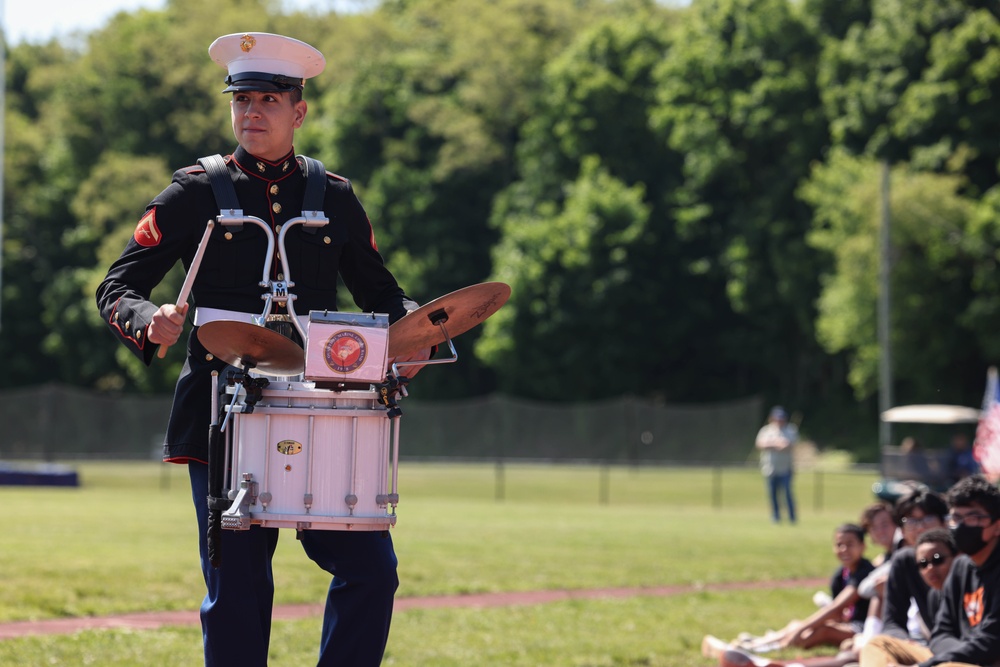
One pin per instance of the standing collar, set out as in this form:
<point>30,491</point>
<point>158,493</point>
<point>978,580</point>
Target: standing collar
<point>269,171</point>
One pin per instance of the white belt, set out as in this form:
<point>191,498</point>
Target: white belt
<point>205,315</point>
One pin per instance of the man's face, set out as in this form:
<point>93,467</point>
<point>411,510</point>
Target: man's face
<point>264,123</point>
<point>883,528</point>
<point>916,523</point>
<point>973,522</point>
<point>934,562</point>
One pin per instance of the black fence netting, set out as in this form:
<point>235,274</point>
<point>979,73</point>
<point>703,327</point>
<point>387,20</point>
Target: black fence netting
<point>52,422</point>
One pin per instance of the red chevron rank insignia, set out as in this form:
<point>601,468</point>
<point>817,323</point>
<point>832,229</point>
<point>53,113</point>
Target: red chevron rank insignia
<point>147,234</point>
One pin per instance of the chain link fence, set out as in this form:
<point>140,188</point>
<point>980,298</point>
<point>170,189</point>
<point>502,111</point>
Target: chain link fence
<point>54,422</point>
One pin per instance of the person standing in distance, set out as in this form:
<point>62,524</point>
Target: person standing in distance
<point>266,76</point>
<point>776,441</point>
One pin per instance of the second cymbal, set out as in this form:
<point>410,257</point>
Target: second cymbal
<point>459,311</point>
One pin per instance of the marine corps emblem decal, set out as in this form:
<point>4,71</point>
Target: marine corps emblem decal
<point>345,351</point>
<point>247,43</point>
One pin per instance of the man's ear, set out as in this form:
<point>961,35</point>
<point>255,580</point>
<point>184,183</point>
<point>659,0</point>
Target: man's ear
<point>301,108</point>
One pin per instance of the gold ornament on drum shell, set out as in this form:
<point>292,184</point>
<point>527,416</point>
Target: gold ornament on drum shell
<point>289,447</point>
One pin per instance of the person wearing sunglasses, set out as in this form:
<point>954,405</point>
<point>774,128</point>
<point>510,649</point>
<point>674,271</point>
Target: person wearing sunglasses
<point>905,612</point>
<point>966,629</point>
<point>935,553</point>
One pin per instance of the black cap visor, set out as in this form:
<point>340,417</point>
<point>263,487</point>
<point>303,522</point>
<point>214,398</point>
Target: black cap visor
<point>261,82</point>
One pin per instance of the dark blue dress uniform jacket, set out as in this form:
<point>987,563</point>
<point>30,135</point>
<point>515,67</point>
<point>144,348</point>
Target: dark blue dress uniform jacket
<point>232,267</point>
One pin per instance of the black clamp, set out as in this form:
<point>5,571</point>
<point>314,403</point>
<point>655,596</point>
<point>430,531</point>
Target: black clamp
<point>389,390</point>
<point>254,388</point>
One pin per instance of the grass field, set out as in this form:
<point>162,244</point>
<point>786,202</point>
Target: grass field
<point>124,542</point>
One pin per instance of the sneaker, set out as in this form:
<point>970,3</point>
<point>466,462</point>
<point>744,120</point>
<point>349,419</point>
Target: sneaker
<point>821,598</point>
<point>713,647</point>
<point>734,658</point>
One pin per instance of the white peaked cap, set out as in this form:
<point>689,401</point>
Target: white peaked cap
<point>262,61</point>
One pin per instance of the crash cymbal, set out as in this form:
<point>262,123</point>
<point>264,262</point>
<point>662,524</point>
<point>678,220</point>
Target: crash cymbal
<point>460,311</point>
<point>241,343</point>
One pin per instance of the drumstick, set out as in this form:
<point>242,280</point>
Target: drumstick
<point>182,297</point>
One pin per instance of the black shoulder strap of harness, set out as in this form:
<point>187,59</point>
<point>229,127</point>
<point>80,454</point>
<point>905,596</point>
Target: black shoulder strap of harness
<point>225,193</point>
<point>222,185</point>
<point>315,174</point>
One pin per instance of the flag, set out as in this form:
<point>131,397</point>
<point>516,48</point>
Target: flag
<point>987,446</point>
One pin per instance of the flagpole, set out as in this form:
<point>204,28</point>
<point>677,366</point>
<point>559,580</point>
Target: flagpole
<point>3,126</point>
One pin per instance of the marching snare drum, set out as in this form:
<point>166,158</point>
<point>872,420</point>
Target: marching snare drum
<point>309,458</point>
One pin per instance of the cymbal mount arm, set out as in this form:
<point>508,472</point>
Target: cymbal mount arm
<point>440,318</point>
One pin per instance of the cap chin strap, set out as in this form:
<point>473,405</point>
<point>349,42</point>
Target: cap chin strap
<point>277,79</point>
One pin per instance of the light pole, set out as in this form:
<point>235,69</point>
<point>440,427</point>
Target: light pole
<point>884,310</point>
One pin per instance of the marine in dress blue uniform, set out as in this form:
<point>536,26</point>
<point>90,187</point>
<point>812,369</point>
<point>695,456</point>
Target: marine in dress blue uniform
<point>236,612</point>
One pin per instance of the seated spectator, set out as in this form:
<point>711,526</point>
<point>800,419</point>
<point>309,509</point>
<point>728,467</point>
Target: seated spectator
<point>915,513</point>
<point>917,576</point>
<point>879,522</point>
<point>918,511</point>
<point>830,625</point>
<point>932,558</point>
<point>966,629</point>
<point>905,603</point>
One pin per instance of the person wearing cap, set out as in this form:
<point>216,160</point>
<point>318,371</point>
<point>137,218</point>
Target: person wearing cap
<point>266,75</point>
<point>776,441</point>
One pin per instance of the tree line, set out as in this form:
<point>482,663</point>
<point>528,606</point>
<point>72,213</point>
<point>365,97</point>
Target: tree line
<point>685,201</point>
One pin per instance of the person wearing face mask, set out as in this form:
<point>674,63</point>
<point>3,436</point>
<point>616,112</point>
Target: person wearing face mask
<point>966,630</point>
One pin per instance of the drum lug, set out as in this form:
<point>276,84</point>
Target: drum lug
<point>384,499</point>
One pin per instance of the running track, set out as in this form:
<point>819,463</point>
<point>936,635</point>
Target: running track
<point>157,619</point>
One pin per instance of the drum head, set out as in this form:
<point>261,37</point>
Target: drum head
<point>248,345</point>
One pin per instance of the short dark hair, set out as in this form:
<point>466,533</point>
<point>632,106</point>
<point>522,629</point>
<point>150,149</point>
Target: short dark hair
<point>940,536</point>
<point>869,513</point>
<point>930,502</point>
<point>851,529</point>
<point>976,489</point>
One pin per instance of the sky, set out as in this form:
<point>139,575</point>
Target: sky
<point>39,20</point>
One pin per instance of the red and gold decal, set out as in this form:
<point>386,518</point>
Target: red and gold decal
<point>147,234</point>
<point>345,351</point>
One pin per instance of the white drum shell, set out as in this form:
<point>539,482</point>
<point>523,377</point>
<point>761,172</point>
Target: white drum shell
<point>320,459</point>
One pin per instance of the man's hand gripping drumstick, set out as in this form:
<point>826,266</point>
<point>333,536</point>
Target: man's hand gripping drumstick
<point>168,320</point>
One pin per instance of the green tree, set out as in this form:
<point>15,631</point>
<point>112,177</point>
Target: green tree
<point>737,97</point>
<point>427,129</point>
<point>573,331</point>
<point>917,83</point>
<point>588,160</point>
<point>932,264</point>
